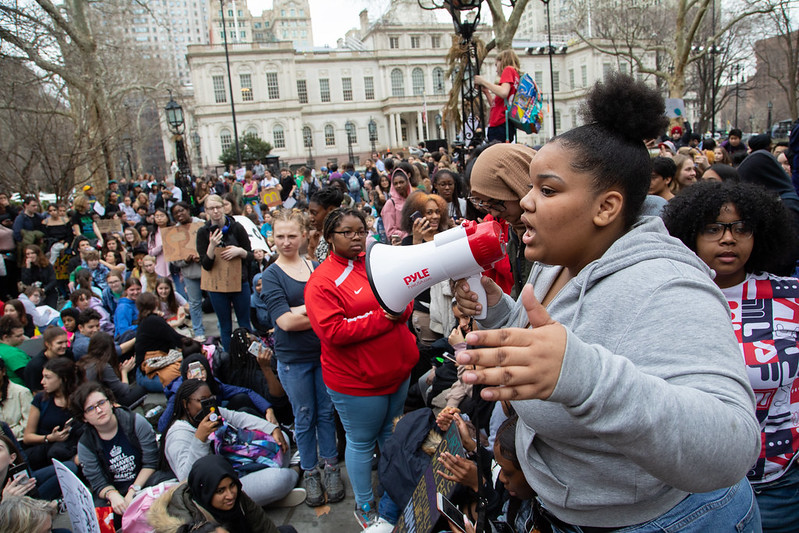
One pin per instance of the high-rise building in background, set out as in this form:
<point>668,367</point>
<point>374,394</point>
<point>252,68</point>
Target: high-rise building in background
<point>288,20</point>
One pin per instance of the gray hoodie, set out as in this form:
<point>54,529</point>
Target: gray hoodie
<point>652,402</point>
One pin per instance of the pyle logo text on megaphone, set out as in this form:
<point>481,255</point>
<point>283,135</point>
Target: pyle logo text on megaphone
<point>417,277</point>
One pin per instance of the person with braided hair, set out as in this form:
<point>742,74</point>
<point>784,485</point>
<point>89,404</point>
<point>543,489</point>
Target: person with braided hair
<point>622,423</point>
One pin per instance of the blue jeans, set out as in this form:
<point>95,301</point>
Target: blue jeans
<point>195,297</point>
<point>367,420</point>
<point>779,502</point>
<point>149,384</point>
<point>177,281</point>
<point>314,420</point>
<point>732,510</point>
<point>221,302</point>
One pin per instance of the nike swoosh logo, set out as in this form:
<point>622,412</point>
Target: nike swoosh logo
<point>358,291</point>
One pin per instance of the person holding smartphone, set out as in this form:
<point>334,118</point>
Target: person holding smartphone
<point>51,433</point>
<point>186,440</point>
<point>195,366</point>
<point>423,216</point>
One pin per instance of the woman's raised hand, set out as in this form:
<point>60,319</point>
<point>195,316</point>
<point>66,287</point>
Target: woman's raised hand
<point>517,363</point>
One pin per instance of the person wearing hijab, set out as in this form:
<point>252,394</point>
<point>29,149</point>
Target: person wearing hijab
<point>212,494</point>
<point>499,179</point>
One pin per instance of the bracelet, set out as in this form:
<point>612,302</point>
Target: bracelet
<point>109,491</point>
<point>45,439</point>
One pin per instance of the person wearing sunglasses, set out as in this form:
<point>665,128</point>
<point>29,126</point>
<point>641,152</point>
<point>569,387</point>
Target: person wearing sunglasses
<point>745,235</point>
<point>367,353</point>
<point>117,450</point>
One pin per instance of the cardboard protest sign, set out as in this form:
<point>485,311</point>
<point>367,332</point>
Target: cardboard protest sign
<point>111,225</point>
<point>224,277</point>
<point>180,241</point>
<point>78,500</point>
<point>421,513</point>
<point>240,173</point>
<point>271,197</point>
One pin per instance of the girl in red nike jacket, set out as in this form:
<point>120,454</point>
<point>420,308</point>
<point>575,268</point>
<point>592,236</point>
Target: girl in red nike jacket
<point>367,354</point>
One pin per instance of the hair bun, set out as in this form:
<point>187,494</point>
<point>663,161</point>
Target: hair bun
<point>627,108</point>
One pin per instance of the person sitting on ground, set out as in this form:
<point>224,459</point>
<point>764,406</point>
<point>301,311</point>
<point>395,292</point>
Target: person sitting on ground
<point>15,308</point>
<point>153,335</point>
<point>11,336</point>
<point>51,432</point>
<point>69,319</point>
<point>213,494</point>
<point>84,298</point>
<point>186,440</point>
<point>126,315</point>
<point>113,292</point>
<point>101,364</point>
<point>15,403</point>
<point>195,366</point>
<point>55,345</point>
<point>21,514</point>
<point>118,451</point>
<point>99,272</point>
<point>663,171</point>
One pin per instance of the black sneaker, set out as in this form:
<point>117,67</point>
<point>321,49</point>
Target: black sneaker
<point>333,484</point>
<point>314,490</point>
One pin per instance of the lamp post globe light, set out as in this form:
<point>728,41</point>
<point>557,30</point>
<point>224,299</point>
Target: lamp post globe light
<point>466,17</point>
<point>177,125</point>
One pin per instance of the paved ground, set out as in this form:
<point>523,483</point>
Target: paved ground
<point>333,518</point>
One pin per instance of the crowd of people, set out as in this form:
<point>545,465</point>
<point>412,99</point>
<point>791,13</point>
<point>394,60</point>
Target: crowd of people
<point>579,408</point>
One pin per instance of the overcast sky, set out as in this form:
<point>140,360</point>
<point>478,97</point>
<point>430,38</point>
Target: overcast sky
<point>330,19</point>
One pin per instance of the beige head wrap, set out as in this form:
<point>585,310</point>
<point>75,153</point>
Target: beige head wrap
<point>502,172</point>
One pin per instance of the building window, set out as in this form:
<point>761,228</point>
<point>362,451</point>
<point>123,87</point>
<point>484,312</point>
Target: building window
<point>574,118</point>
<point>273,89</point>
<point>302,91</point>
<point>571,78</point>
<point>278,136</point>
<point>226,139</point>
<point>369,87</point>
<point>307,137</point>
<point>393,42</point>
<point>397,83</point>
<point>583,76</point>
<point>606,69</point>
<point>417,79</point>
<point>324,89</point>
<point>246,87</point>
<point>415,41</point>
<point>557,121</point>
<point>352,135</point>
<point>556,81</point>
<point>435,41</point>
<point>438,80</point>
<point>330,136</point>
<point>538,76</point>
<point>219,89</point>
<point>346,86</point>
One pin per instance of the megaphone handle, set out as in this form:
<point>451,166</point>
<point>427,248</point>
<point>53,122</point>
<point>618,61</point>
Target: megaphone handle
<point>476,287</point>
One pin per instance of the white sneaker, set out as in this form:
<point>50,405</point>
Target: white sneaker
<point>200,338</point>
<point>295,459</point>
<point>292,499</point>
<point>380,526</point>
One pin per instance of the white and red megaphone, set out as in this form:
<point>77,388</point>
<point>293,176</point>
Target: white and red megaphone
<point>398,274</point>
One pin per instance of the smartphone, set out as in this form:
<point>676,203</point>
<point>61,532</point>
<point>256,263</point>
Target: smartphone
<point>255,348</point>
<point>19,471</point>
<point>68,424</point>
<point>451,511</point>
<point>501,527</point>
<point>209,407</point>
<point>415,215</point>
<point>195,370</point>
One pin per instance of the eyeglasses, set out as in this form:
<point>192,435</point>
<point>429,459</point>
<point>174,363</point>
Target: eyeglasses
<point>350,234</point>
<point>487,205</point>
<point>716,230</point>
<point>213,207</point>
<point>92,408</point>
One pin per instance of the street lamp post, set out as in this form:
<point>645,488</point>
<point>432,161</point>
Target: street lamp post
<point>177,125</point>
<point>230,85</point>
<point>373,133</point>
<point>348,128</point>
<point>195,142</point>
<point>770,106</point>
<point>308,140</point>
<point>551,69</point>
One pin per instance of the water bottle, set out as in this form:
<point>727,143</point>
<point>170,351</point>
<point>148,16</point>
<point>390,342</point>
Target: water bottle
<point>154,412</point>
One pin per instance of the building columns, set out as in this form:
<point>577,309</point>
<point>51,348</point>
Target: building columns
<point>419,128</point>
<point>392,131</point>
<point>398,132</point>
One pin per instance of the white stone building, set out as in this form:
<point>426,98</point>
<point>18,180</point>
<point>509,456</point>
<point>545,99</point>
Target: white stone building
<point>390,71</point>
